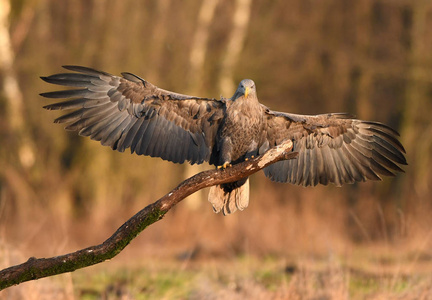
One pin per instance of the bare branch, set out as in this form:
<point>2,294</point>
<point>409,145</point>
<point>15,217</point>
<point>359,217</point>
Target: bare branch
<point>36,268</point>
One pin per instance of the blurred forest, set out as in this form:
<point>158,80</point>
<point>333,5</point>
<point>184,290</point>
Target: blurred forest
<point>60,192</point>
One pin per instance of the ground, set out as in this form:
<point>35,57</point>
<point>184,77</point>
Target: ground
<point>361,273</point>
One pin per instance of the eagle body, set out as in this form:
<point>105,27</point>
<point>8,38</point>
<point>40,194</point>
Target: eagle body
<point>239,133</point>
<point>128,112</point>
<point>238,138</point>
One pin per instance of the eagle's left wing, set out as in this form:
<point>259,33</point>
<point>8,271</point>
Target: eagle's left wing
<point>332,148</point>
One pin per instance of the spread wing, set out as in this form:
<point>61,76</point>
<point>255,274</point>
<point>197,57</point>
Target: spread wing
<point>332,148</point>
<point>129,112</point>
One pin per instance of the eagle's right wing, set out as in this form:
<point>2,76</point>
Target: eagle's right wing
<point>332,148</point>
<point>129,112</point>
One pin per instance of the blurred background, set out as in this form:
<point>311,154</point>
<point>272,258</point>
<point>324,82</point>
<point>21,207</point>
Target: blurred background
<point>60,192</point>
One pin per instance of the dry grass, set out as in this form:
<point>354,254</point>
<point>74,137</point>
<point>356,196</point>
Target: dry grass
<point>356,276</point>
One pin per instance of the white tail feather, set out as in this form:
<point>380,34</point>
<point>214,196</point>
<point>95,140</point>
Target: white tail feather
<point>229,202</point>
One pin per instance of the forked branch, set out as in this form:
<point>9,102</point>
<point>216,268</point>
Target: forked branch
<point>36,268</point>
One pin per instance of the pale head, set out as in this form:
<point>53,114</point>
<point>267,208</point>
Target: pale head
<point>246,88</point>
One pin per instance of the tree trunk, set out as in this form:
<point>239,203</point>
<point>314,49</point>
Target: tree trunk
<point>11,91</point>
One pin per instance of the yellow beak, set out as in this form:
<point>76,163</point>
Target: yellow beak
<point>246,92</point>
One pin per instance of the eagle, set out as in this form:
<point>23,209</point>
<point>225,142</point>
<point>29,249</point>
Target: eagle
<point>129,112</point>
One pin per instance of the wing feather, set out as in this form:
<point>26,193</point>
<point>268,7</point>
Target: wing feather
<point>111,130</point>
<point>92,125</point>
<point>131,129</point>
<point>307,166</point>
<point>147,136</point>
<point>75,103</point>
<point>136,138</point>
<point>115,131</point>
<point>129,112</point>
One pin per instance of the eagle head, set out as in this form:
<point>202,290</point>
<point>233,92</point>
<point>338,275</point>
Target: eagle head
<point>246,88</point>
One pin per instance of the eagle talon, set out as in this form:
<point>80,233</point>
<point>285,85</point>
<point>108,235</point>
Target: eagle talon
<point>225,165</point>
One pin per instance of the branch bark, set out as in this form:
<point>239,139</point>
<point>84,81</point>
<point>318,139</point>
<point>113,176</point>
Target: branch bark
<point>36,268</point>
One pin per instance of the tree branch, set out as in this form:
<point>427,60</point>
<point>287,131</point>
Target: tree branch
<point>36,268</point>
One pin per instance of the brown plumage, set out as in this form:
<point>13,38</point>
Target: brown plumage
<point>129,112</point>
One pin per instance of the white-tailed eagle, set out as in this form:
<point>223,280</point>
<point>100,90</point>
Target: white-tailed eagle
<point>129,112</point>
